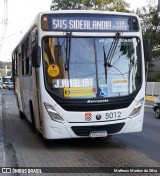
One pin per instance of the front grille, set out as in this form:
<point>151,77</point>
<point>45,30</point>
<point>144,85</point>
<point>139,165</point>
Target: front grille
<point>95,107</point>
<point>85,130</point>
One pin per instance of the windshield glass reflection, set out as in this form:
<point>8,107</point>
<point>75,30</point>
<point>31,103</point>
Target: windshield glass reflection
<point>92,67</point>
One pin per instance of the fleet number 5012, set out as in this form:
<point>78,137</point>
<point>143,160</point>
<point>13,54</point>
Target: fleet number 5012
<point>113,115</point>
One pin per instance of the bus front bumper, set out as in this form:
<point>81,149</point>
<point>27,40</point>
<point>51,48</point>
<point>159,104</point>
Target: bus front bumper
<point>56,130</point>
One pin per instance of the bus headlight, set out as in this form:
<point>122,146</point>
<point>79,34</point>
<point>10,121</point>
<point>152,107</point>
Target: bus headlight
<point>53,113</point>
<point>137,109</point>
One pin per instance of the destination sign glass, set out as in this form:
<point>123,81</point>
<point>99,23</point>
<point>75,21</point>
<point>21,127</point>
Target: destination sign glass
<point>89,22</point>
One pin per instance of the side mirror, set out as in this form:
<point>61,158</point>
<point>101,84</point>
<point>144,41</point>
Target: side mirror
<point>147,49</point>
<point>36,56</point>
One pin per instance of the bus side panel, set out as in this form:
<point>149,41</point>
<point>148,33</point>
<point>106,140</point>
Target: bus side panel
<point>30,99</point>
<point>36,98</point>
<point>27,95</point>
<point>18,80</point>
<point>17,93</point>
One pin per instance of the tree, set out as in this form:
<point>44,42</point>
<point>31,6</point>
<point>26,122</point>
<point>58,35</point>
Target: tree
<point>150,20</point>
<point>65,4</point>
<point>111,5</point>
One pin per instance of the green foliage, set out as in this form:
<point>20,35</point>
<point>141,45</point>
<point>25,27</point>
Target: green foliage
<point>2,65</point>
<point>150,23</point>
<point>158,79</point>
<point>111,5</point>
<point>150,19</point>
<point>67,5</point>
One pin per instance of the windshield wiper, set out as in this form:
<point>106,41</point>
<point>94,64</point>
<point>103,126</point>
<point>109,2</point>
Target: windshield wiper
<point>68,50</point>
<point>105,63</point>
<point>109,57</point>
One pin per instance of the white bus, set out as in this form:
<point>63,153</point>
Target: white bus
<point>81,74</point>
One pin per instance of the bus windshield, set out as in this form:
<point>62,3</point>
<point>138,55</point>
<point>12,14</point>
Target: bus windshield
<point>92,67</point>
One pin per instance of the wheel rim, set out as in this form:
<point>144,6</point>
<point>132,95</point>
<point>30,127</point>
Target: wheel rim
<point>157,113</point>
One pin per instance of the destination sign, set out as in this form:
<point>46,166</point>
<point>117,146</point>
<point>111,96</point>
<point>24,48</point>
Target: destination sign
<point>92,22</point>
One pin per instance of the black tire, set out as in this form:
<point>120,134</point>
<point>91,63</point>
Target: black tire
<point>21,115</point>
<point>33,125</point>
<point>157,113</point>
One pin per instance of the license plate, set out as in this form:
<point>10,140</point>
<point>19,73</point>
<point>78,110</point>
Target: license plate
<point>94,134</point>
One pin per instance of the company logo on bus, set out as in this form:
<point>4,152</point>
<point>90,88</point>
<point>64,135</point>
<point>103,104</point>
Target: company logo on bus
<point>98,101</point>
<point>88,116</point>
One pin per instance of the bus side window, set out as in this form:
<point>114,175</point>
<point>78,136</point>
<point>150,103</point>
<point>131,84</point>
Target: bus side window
<point>36,53</point>
<point>53,54</point>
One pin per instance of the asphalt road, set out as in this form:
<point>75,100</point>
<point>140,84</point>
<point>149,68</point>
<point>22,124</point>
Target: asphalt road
<point>24,148</point>
<point>148,141</point>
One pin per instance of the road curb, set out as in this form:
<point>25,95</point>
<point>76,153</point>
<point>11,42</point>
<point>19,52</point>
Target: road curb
<point>150,98</point>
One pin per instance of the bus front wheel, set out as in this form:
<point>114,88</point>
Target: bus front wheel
<point>32,117</point>
<point>21,115</point>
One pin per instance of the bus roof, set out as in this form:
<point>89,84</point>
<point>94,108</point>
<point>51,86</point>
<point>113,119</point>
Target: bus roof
<point>86,12</point>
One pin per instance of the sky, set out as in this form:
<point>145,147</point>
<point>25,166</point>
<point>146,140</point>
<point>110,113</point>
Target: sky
<point>20,15</point>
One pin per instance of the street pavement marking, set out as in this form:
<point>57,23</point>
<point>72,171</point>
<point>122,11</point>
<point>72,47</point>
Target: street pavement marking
<point>149,106</point>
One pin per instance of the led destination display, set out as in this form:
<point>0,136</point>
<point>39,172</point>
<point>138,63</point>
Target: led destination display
<point>53,22</point>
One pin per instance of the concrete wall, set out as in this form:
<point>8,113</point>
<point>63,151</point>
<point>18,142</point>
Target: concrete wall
<point>152,90</point>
